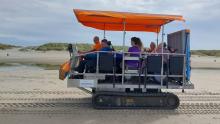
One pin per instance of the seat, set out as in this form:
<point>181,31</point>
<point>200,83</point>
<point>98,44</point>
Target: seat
<point>153,64</point>
<point>176,65</point>
<point>106,63</point>
<point>132,65</point>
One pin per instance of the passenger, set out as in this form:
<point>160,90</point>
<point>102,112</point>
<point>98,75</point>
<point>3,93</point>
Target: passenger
<point>91,58</point>
<point>172,50</point>
<point>163,47</point>
<point>134,51</point>
<point>139,43</point>
<point>96,47</point>
<point>152,48</point>
<point>70,49</point>
<point>110,45</point>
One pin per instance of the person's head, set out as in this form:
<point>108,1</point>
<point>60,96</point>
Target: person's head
<point>164,45</point>
<point>133,41</point>
<point>96,39</point>
<point>104,43</point>
<point>139,43</point>
<point>152,45</point>
<point>109,43</point>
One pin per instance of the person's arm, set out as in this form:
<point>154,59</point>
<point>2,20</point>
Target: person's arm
<point>129,50</point>
<point>84,52</point>
<point>92,50</point>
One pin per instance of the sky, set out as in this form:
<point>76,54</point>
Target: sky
<point>34,22</point>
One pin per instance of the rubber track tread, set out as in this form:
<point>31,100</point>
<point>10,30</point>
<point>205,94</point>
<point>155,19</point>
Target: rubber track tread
<point>152,95</point>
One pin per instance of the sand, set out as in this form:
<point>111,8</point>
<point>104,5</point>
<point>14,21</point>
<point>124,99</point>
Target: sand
<point>36,57</point>
<point>59,57</point>
<point>42,89</point>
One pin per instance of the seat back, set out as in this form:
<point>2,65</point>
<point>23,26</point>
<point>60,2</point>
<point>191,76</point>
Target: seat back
<point>176,65</point>
<point>106,62</point>
<point>153,64</point>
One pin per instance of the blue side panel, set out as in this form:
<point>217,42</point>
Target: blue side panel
<point>188,55</point>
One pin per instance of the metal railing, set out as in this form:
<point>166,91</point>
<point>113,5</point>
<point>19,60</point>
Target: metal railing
<point>141,55</point>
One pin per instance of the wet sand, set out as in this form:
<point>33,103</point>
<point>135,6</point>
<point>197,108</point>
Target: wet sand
<point>50,97</point>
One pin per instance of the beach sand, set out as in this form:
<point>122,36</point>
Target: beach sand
<point>35,57</point>
<point>29,84</point>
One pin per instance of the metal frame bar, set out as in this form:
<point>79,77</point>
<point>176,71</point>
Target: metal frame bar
<point>104,32</point>
<point>108,86</point>
<point>157,36</point>
<point>97,64</point>
<point>162,66</point>
<point>123,55</point>
<point>123,74</point>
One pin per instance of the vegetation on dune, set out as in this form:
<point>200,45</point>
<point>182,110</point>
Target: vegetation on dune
<point>63,46</point>
<point>5,64</point>
<point>87,46</point>
<point>206,52</point>
<point>47,66</point>
<point>6,46</point>
<point>52,46</point>
<point>25,49</point>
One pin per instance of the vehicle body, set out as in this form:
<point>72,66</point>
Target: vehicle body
<point>140,87</point>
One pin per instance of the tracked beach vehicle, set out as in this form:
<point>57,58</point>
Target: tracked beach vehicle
<point>113,84</point>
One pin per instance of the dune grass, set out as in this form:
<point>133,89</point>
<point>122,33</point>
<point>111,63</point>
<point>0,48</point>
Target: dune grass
<point>6,46</point>
<point>206,52</point>
<point>52,46</point>
<point>63,46</point>
<point>5,64</point>
<point>47,66</point>
<point>87,46</point>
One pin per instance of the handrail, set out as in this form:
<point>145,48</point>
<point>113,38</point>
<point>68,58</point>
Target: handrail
<point>143,56</point>
<point>119,52</point>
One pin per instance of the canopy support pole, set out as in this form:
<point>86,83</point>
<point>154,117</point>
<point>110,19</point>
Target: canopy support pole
<point>163,34</point>
<point>162,66</point>
<point>104,32</point>
<point>124,33</point>
<point>157,36</point>
<point>123,59</point>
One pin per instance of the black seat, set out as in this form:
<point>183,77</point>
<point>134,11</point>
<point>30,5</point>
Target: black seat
<point>176,65</point>
<point>106,62</point>
<point>153,64</point>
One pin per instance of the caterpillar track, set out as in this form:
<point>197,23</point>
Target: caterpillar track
<point>114,100</point>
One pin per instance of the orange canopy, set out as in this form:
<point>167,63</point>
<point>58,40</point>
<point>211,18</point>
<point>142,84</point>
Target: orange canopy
<point>110,20</point>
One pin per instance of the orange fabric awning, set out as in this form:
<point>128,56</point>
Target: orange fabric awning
<point>110,20</point>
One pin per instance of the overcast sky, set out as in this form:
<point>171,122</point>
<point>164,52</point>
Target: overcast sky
<point>33,22</point>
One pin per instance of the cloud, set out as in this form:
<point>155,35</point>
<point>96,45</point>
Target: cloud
<point>46,20</point>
